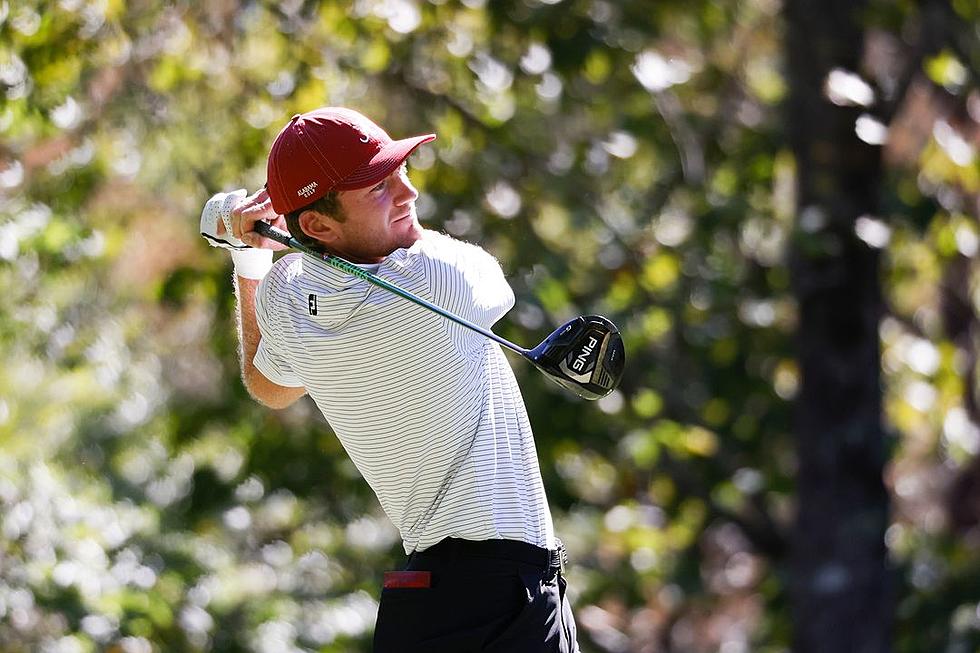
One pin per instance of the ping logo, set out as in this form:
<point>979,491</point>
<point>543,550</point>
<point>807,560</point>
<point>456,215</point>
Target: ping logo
<point>312,304</point>
<point>583,356</point>
<point>307,190</point>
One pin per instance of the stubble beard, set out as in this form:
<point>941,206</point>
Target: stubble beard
<point>370,250</point>
<point>412,235</point>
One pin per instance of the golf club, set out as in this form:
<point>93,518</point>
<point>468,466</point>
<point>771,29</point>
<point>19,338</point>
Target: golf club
<point>584,355</point>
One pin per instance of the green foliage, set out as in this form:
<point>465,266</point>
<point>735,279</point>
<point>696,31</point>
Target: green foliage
<point>625,158</point>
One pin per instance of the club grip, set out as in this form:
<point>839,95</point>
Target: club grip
<point>267,230</point>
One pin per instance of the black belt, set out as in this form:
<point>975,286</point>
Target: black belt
<point>514,550</point>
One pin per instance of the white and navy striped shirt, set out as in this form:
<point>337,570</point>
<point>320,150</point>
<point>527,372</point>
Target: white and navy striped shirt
<point>429,411</point>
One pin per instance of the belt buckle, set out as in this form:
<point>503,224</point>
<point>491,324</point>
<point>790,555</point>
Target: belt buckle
<point>562,554</point>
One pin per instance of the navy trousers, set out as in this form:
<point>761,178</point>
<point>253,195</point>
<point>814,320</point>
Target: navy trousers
<point>494,596</point>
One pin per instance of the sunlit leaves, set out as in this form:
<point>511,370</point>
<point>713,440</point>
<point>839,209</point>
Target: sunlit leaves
<point>566,136</point>
<point>656,324</point>
<point>642,447</point>
<point>553,296</point>
<point>647,403</point>
<point>946,70</point>
<point>660,272</point>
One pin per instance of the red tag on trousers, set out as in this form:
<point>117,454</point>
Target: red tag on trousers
<point>409,579</point>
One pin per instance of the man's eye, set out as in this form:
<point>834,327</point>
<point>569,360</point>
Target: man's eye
<point>379,186</point>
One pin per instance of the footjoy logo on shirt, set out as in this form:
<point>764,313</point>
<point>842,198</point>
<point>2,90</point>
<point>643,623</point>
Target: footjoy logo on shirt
<point>312,304</point>
<point>307,190</point>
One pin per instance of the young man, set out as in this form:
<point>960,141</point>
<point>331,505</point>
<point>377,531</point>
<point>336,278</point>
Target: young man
<point>428,411</point>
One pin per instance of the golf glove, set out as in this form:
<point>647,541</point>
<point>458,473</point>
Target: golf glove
<point>217,208</point>
<point>250,262</point>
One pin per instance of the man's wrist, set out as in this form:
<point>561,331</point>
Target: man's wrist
<point>252,263</point>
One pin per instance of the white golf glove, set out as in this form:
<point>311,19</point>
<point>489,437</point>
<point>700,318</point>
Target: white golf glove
<point>218,208</point>
<point>251,263</point>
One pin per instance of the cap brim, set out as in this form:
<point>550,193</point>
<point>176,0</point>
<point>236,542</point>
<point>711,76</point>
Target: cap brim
<point>382,164</point>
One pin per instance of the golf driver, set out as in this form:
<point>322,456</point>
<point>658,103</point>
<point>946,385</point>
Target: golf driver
<point>585,355</point>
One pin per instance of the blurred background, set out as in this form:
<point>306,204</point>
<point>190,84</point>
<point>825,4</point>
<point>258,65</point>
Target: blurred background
<point>777,202</point>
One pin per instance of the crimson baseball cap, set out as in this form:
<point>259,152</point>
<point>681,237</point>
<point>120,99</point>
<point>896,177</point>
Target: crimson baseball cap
<point>327,149</point>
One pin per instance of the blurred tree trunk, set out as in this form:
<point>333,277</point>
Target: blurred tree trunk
<point>839,580</point>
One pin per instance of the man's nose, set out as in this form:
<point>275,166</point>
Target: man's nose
<point>405,190</point>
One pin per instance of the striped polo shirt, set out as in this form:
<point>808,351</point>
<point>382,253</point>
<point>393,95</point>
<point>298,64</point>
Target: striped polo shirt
<point>428,411</point>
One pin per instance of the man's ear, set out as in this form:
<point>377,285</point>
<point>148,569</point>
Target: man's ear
<point>318,226</point>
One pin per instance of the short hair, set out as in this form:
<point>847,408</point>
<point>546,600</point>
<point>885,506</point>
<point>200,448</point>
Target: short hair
<point>329,205</point>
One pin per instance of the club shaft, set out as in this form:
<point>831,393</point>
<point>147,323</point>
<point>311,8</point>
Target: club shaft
<point>267,230</point>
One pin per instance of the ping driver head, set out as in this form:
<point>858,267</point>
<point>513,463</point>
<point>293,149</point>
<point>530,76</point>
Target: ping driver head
<point>585,355</point>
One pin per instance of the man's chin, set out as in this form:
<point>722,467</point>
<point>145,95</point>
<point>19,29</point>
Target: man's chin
<point>413,235</point>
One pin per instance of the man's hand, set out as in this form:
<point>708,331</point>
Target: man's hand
<point>216,220</point>
<point>227,221</point>
<point>254,208</point>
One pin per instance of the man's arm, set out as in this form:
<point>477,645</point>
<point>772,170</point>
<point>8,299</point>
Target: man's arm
<point>259,387</point>
<point>227,222</point>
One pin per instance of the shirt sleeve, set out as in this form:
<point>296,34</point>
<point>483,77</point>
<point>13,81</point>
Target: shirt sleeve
<point>468,281</point>
<point>269,357</point>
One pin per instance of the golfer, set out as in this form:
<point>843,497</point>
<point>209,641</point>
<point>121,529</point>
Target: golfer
<point>428,411</point>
